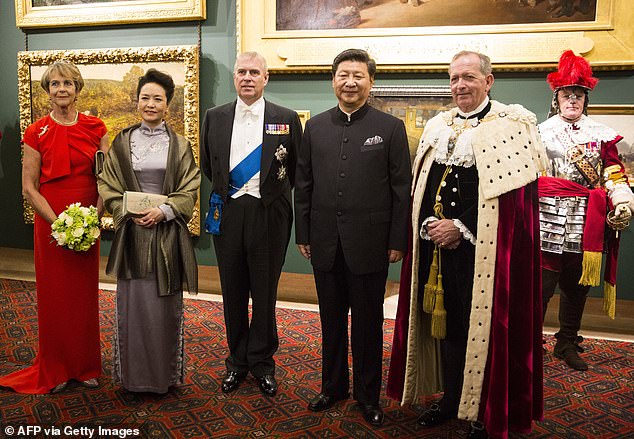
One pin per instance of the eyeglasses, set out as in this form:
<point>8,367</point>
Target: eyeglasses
<point>572,97</point>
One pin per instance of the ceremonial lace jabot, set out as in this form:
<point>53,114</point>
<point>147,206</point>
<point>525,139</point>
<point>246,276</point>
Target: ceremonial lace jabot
<point>583,131</point>
<point>455,145</point>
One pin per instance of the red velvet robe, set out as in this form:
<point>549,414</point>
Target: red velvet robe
<point>513,393</point>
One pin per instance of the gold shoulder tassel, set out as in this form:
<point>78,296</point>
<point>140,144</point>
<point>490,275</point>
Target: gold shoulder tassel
<point>439,316</point>
<point>433,297</point>
<point>429,292</point>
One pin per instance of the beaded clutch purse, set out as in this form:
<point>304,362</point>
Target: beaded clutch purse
<point>136,202</point>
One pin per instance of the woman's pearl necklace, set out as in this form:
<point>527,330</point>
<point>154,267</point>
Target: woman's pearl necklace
<point>73,122</point>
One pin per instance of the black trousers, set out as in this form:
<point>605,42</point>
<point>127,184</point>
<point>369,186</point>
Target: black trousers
<point>338,291</point>
<point>250,252</point>
<point>573,296</point>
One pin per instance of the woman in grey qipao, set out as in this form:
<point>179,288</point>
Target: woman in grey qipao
<point>152,255</point>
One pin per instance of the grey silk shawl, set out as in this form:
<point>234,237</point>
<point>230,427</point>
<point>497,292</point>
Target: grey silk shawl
<point>132,255</point>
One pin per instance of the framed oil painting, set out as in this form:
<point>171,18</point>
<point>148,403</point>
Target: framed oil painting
<point>413,104</point>
<point>57,13</point>
<point>423,35</point>
<point>111,77</point>
<point>620,118</point>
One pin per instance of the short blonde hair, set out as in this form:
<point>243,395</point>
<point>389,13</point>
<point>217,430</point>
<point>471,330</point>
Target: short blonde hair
<point>65,69</point>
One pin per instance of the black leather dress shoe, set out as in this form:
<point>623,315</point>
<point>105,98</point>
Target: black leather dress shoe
<point>268,385</point>
<point>432,417</point>
<point>323,402</point>
<point>231,381</point>
<point>477,431</point>
<point>373,414</point>
<point>569,352</point>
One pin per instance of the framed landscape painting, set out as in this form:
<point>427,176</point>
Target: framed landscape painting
<point>111,77</point>
<point>413,104</point>
<point>621,119</point>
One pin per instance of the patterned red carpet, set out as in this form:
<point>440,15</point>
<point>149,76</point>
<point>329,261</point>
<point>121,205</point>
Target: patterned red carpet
<point>598,403</point>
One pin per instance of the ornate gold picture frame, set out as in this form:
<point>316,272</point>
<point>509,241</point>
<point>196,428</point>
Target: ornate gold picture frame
<point>304,115</point>
<point>110,77</point>
<point>33,13</point>
<point>621,119</point>
<point>413,104</point>
<point>607,41</point>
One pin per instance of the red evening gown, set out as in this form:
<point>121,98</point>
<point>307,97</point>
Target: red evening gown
<point>67,281</point>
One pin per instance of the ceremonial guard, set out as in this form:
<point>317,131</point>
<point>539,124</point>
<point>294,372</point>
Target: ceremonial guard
<point>585,187</point>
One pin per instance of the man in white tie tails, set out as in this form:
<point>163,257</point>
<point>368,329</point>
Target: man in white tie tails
<point>248,151</point>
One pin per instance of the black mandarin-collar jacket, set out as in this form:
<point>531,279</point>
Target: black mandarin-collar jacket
<point>352,184</point>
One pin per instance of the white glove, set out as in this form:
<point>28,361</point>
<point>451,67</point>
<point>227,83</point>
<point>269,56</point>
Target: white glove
<point>621,194</point>
<point>619,218</point>
<point>622,212</point>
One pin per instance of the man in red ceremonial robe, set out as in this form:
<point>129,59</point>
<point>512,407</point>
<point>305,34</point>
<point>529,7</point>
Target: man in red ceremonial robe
<point>470,314</point>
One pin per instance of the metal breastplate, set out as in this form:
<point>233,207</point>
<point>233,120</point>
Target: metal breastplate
<point>561,221</point>
<point>563,158</point>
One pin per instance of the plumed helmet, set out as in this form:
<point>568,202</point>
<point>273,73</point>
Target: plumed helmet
<point>572,71</point>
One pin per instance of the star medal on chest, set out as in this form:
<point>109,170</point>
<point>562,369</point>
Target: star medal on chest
<point>281,173</point>
<point>281,153</point>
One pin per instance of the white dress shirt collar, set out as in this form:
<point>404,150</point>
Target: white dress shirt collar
<point>256,108</point>
<point>477,110</point>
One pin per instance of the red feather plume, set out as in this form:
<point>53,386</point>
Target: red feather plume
<point>572,71</point>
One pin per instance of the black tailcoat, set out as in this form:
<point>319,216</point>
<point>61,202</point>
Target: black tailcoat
<point>254,232</point>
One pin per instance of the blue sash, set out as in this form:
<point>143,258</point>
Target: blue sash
<point>245,170</point>
<point>238,177</point>
<point>214,214</point>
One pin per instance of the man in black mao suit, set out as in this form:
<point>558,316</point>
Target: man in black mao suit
<point>351,204</point>
<point>248,151</point>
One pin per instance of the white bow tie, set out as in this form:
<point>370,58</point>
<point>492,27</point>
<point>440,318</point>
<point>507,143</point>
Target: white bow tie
<point>247,111</point>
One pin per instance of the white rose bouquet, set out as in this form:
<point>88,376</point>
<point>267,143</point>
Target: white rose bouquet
<point>76,228</point>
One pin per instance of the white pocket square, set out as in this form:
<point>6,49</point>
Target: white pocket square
<point>373,141</point>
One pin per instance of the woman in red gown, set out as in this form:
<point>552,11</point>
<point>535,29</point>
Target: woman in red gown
<point>57,170</point>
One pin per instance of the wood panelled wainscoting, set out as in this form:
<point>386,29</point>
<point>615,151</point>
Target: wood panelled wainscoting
<point>300,288</point>
<point>293,287</point>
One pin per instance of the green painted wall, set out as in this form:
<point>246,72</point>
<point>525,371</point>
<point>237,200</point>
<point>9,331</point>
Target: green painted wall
<point>301,92</point>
